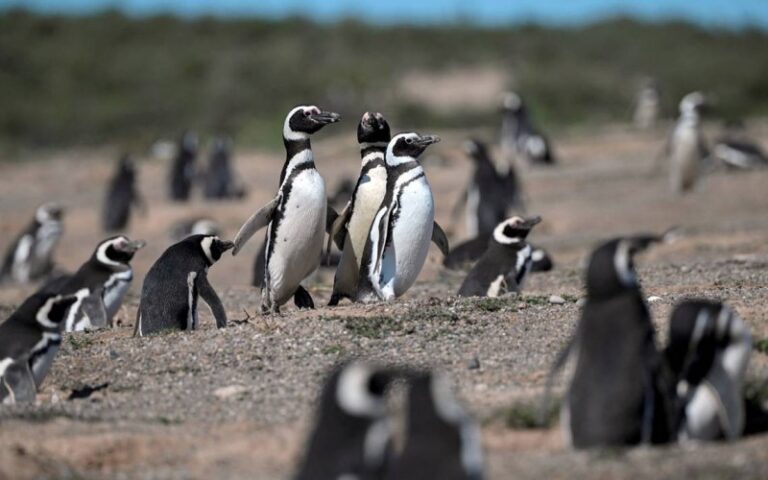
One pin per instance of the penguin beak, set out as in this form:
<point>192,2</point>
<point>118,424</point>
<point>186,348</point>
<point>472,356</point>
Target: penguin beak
<point>426,140</point>
<point>226,245</point>
<point>134,246</point>
<point>530,222</point>
<point>325,117</point>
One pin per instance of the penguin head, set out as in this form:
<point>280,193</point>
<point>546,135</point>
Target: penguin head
<point>126,165</point>
<point>53,308</point>
<point>221,146</point>
<point>693,104</point>
<point>512,103</point>
<point>211,246</point>
<point>117,251</point>
<point>373,130</point>
<point>477,150</point>
<point>188,142</point>
<point>611,268</point>
<point>406,147</point>
<point>50,212</point>
<point>358,389</point>
<point>303,121</point>
<point>514,230</point>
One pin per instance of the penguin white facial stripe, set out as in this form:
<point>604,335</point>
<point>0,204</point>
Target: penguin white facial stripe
<point>4,364</point>
<point>288,132</point>
<point>621,261</point>
<point>42,314</point>
<point>205,244</point>
<point>101,252</point>
<point>499,236</point>
<point>352,392</point>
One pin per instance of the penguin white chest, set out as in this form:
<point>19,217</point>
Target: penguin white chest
<point>370,193</point>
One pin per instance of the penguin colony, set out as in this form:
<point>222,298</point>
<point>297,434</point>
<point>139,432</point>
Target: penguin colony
<point>624,390</point>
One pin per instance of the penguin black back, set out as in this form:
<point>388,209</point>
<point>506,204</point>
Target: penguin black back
<point>182,171</point>
<point>121,196</point>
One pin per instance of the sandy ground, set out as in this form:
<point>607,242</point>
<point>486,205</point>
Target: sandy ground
<point>236,403</point>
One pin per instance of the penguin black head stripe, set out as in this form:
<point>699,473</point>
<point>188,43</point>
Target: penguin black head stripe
<point>373,129</point>
<point>612,268</point>
<point>213,247</point>
<point>514,230</point>
<point>117,250</point>
<point>405,147</point>
<point>303,121</point>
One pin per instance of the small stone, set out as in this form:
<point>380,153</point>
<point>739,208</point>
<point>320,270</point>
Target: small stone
<point>654,299</point>
<point>581,302</point>
<point>474,363</point>
<point>225,393</point>
<point>556,300</point>
<point>114,355</point>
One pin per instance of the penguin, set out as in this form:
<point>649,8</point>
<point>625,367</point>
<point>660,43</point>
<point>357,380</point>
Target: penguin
<point>708,350</point>
<point>469,251</point>
<point>219,181</point>
<point>441,440</point>
<point>686,148</point>
<point>373,135</point>
<point>619,394</point>
<point>520,139</point>
<point>29,257</point>
<point>121,196</point>
<point>352,434</point>
<point>108,275</point>
<point>182,172</point>
<point>647,105</point>
<point>403,227</point>
<point>735,150</point>
<point>29,342</point>
<point>194,226</point>
<point>505,264</point>
<point>174,282</point>
<point>296,219</point>
<point>490,195</point>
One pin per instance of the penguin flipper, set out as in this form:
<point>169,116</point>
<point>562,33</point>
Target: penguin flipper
<point>337,232</point>
<point>212,299</point>
<point>18,384</point>
<point>93,307</point>
<point>440,239</point>
<point>257,221</point>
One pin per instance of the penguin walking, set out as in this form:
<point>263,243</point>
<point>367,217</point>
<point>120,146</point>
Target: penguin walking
<point>505,264</point>
<point>219,182</point>
<point>296,219</point>
<point>403,227</point>
<point>686,148</point>
<point>373,135</point>
<point>352,436</point>
<point>194,226</point>
<point>490,195</point>
<point>520,139</point>
<point>182,173</point>
<point>441,440</point>
<point>29,342</point>
<point>708,351</point>
<point>619,394</point>
<point>172,286</point>
<point>121,196</point>
<point>29,257</point>
<point>108,275</point>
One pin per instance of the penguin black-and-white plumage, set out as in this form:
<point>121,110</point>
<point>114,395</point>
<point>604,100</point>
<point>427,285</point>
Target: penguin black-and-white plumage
<point>441,440</point>
<point>352,434</point>
<point>647,105</point>
<point>373,135</point>
<point>520,139</point>
<point>29,341</point>
<point>220,182</point>
<point>296,219</point>
<point>736,151</point>
<point>173,284</point>
<point>468,252</point>
<point>182,173</point>
<point>195,226</point>
<point>108,275</point>
<point>121,196</point>
<point>506,262</point>
<point>618,395</point>
<point>30,256</point>
<point>403,227</point>
<point>708,350</point>
<point>490,195</point>
<point>686,149</point>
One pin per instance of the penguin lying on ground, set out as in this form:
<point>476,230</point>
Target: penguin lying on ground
<point>108,275</point>
<point>708,350</point>
<point>296,219</point>
<point>29,257</point>
<point>172,286</point>
<point>736,150</point>
<point>351,437</point>
<point>686,149</point>
<point>182,173</point>
<point>121,196</point>
<point>520,140</point>
<point>29,341</point>
<point>194,226</point>
<point>619,394</point>
<point>506,262</point>
<point>219,180</point>
<point>468,252</point>
<point>404,226</point>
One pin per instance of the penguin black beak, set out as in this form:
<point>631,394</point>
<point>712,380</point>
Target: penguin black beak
<point>226,245</point>
<point>134,246</point>
<point>530,222</point>
<point>325,117</point>
<point>426,140</point>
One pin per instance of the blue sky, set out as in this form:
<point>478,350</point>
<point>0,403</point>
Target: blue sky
<point>718,13</point>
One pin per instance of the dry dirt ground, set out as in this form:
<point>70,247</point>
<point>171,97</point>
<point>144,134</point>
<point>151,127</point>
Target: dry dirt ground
<point>236,403</point>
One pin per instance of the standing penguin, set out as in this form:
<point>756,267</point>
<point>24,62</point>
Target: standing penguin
<point>29,341</point>
<point>618,395</point>
<point>182,172</point>
<point>520,140</point>
<point>352,436</point>
<point>708,350</point>
<point>403,227</point>
<point>108,275</point>
<point>172,286</point>
<point>647,105</point>
<point>295,218</point>
<point>505,264</point>
<point>686,149</point>
<point>219,179</point>
<point>441,440</point>
<point>121,196</point>
<point>357,216</point>
<point>29,257</point>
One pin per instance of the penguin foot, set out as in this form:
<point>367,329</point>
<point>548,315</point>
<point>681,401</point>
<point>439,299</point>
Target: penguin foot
<point>303,299</point>
<point>335,299</point>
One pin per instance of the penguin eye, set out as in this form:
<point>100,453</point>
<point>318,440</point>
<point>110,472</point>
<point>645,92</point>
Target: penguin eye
<point>307,113</point>
<point>409,141</point>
